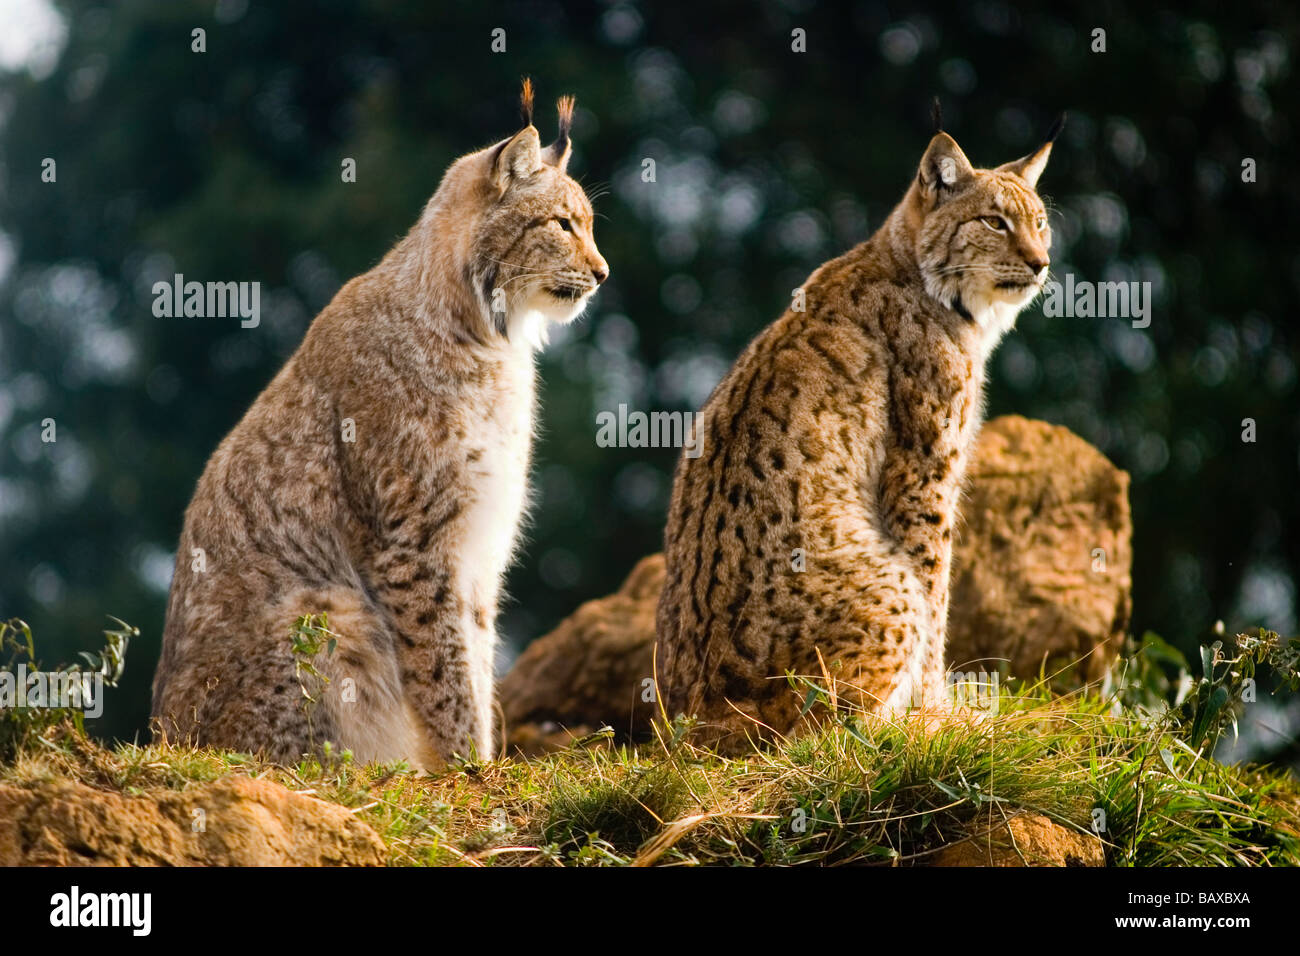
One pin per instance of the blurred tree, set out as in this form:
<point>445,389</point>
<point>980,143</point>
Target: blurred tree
<point>225,165</point>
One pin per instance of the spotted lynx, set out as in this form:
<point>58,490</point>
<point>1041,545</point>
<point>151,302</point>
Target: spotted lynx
<point>380,479</point>
<point>816,528</point>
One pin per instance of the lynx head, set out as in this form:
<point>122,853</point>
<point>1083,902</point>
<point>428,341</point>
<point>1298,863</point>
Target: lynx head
<point>980,236</point>
<point>521,231</point>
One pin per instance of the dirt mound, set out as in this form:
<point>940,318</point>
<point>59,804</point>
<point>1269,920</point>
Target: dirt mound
<point>237,821</point>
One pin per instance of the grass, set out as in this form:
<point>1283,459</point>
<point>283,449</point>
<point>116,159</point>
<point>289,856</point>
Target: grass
<point>855,791</point>
<point>1131,764</point>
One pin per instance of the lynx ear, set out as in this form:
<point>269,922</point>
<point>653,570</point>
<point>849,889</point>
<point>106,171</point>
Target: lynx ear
<point>521,155</point>
<point>557,154</point>
<point>944,166</point>
<point>517,158</point>
<point>1030,167</point>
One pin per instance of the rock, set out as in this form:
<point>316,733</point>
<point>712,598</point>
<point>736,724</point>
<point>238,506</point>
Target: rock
<point>1042,562</point>
<point>1028,586</point>
<point>1026,839</point>
<point>237,821</point>
<point>590,670</point>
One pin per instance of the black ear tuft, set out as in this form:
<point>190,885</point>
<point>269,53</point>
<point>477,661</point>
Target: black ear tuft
<point>936,115</point>
<point>1055,131</point>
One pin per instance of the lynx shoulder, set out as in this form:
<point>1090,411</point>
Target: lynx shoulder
<point>380,480</point>
<point>813,535</point>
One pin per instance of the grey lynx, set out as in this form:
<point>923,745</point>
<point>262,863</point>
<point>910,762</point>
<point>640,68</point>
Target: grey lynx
<point>380,479</point>
<point>815,531</point>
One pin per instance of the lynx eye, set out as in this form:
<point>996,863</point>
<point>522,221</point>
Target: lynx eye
<point>565,224</point>
<point>1041,224</point>
<point>996,223</point>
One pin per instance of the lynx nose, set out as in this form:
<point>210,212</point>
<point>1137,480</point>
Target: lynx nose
<point>1037,263</point>
<point>600,273</point>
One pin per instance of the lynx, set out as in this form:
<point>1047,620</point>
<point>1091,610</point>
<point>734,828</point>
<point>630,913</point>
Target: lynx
<point>380,480</point>
<point>813,536</point>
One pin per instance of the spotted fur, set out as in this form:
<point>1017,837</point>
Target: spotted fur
<point>813,536</point>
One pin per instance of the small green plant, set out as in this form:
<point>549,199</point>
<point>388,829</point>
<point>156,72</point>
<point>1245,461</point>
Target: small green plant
<point>1155,682</point>
<point>1229,680</point>
<point>18,724</point>
<point>309,635</point>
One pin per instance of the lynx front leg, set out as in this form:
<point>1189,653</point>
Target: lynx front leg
<point>481,627</point>
<point>433,640</point>
<point>920,487</point>
<point>920,518</point>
